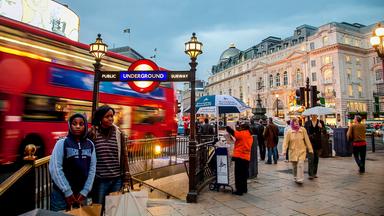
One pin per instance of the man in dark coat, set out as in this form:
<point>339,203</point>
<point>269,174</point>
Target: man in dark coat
<point>260,139</point>
<point>271,135</point>
<point>315,128</point>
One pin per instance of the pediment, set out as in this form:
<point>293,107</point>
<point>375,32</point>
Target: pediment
<point>296,53</point>
<point>259,65</point>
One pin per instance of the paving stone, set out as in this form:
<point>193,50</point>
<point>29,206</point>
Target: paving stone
<point>251,211</point>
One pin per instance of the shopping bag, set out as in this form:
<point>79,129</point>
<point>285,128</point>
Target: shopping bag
<point>91,210</point>
<point>130,203</point>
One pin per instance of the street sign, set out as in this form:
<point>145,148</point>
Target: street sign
<point>144,76</point>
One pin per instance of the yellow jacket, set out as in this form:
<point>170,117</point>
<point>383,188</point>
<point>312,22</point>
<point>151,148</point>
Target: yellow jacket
<point>298,143</point>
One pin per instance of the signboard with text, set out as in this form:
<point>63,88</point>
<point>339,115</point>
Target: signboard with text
<point>144,76</point>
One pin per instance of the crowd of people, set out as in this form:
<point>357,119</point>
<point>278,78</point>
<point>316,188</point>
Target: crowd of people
<point>300,142</point>
<point>93,162</point>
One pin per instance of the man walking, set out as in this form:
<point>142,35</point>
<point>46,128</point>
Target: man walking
<point>315,128</point>
<point>260,139</point>
<point>271,135</point>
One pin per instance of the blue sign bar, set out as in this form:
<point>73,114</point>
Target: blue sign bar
<point>159,76</point>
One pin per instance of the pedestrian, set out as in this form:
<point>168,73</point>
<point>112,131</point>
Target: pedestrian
<point>241,156</point>
<point>112,170</point>
<point>297,143</point>
<point>271,135</point>
<point>356,134</point>
<point>206,128</point>
<point>285,132</point>
<point>315,128</point>
<point>186,128</point>
<point>260,139</point>
<point>72,166</point>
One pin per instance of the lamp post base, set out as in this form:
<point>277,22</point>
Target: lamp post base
<point>192,197</point>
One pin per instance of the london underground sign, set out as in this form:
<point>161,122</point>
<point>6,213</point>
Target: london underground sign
<point>144,76</point>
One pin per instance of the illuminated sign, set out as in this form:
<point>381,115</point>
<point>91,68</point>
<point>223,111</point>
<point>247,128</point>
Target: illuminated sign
<point>47,14</point>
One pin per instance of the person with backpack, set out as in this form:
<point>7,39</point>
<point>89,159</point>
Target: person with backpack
<point>271,135</point>
<point>297,143</point>
<point>72,166</point>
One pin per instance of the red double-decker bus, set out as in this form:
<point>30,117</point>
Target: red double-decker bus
<point>45,78</point>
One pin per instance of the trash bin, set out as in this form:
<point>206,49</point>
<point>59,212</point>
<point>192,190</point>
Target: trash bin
<point>326,146</point>
<point>342,147</point>
<point>253,166</point>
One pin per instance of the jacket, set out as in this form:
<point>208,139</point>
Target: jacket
<point>271,135</point>
<point>298,144</point>
<point>243,143</point>
<point>73,164</point>
<point>315,132</point>
<point>356,133</point>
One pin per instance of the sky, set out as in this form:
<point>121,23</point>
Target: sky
<point>165,25</point>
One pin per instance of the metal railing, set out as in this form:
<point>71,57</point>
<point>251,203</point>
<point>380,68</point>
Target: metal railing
<point>26,189</point>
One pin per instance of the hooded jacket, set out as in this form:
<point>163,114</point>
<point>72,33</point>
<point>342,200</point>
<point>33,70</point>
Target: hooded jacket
<point>73,163</point>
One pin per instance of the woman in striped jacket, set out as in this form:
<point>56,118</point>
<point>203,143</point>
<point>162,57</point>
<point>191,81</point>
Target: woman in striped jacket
<point>112,170</point>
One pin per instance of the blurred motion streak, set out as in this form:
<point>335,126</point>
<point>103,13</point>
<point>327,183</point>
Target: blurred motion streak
<point>45,77</point>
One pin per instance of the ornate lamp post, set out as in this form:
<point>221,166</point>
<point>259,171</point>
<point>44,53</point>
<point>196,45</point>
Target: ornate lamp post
<point>377,41</point>
<point>98,50</point>
<point>193,48</point>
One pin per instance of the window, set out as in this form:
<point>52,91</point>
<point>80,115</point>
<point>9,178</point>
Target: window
<point>328,76</point>
<point>313,63</point>
<point>230,92</point>
<point>327,59</point>
<point>358,61</point>
<point>357,43</point>
<point>312,46</point>
<point>350,90</point>
<point>347,40</point>
<point>277,79</point>
<point>299,76</point>
<point>349,73</point>
<point>325,40</point>
<point>270,81</point>
<point>360,90</point>
<point>358,73</point>
<point>347,58</point>
<point>285,78</point>
<point>314,76</point>
<point>378,74</point>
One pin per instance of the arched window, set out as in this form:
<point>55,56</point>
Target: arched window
<point>270,81</point>
<point>285,78</point>
<point>277,79</point>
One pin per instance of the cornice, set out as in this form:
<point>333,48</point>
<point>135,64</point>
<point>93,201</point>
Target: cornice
<point>229,78</point>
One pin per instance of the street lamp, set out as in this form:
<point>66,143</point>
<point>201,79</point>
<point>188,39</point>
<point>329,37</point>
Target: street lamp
<point>98,50</point>
<point>377,41</point>
<point>277,105</point>
<point>193,48</point>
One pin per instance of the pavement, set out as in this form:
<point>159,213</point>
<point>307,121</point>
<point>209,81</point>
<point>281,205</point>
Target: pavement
<point>339,190</point>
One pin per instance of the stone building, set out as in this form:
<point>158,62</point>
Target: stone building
<point>336,57</point>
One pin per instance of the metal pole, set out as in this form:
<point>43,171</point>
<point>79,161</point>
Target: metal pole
<point>96,82</point>
<point>277,107</point>
<point>373,142</point>
<point>192,194</point>
<point>307,96</point>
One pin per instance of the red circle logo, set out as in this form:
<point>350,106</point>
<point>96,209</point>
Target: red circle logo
<point>143,65</point>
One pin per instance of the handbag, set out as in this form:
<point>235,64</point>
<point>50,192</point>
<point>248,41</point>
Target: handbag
<point>90,210</point>
<point>128,203</point>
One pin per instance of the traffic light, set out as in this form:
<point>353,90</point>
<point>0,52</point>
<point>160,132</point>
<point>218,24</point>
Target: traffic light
<point>300,96</point>
<point>315,99</point>
<point>178,106</point>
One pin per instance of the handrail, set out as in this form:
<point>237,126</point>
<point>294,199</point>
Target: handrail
<point>41,161</point>
<point>155,188</point>
<point>4,186</point>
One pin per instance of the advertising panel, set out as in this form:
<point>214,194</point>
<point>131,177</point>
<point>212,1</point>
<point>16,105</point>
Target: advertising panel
<point>45,14</point>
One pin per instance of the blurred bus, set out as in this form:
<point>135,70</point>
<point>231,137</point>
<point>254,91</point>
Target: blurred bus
<point>45,78</point>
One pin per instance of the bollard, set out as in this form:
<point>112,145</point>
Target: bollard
<point>373,142</point>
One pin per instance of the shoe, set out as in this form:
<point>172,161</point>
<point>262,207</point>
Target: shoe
<point>237,193</point>
<point>275,162</point>
<point>311,177</point>
<point>315,176</point>
<point>300,182</point>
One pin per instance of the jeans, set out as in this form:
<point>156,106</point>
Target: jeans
<point>359,153</point>
<point>272,151</point>
<point>57,200</point>
<point>103,187</point>
<point>313,163</point>
<point>261,149</point>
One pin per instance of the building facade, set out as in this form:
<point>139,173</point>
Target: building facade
<point>336,57</point>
